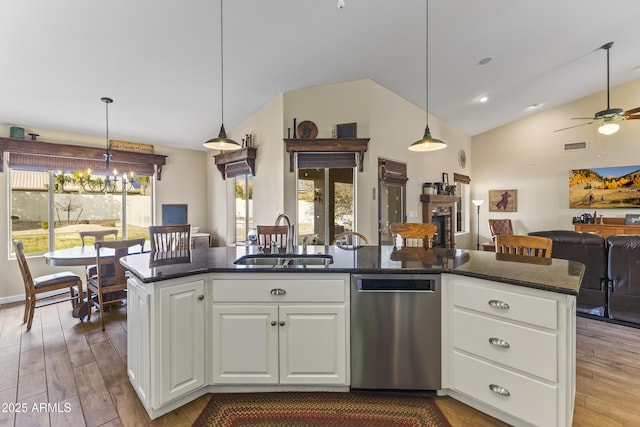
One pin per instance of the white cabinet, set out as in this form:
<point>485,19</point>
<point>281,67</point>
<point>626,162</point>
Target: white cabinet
<point>285,330</point>
<point>166,341</point>
<point>509,351</point>
<point>181,339</point>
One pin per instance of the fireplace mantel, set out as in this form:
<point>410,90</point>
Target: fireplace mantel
<point>440,205</point>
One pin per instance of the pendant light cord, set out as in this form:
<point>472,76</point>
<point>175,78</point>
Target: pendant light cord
<point>426,108</point>
<point>221,67</point>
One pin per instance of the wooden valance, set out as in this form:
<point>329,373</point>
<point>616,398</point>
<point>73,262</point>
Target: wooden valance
<point>392,172</point>
<point>50,156</point>
<point>326,145</point>
<point>237,162</point>
<point>461,178</point>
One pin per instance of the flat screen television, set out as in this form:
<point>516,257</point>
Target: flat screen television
<point>174,214</point>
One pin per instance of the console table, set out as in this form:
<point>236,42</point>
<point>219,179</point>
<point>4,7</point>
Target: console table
<point>608,227</point>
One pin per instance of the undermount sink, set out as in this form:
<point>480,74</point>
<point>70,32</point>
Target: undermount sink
<point>284,259</point>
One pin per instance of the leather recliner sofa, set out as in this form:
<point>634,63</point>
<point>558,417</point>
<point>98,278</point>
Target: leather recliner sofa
<point>590,249</point>
<point>624,277</point>
<point>611,281</point>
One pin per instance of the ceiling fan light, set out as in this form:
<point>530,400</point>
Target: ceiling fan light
<point>608,128</point>
<point>427,143</point>
<point>222,142</point>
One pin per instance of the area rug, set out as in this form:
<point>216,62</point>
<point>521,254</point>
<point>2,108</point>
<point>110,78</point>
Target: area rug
<point>326,409</point>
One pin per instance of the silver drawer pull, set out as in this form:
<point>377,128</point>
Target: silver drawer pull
<point>278,291</point>
<point>499,342</point>
<point>499,389</point>
<point>498,304</point>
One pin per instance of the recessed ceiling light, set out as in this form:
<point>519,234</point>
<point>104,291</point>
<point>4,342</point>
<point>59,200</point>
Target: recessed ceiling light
<point>485,61</point>
<point>534,106</point>
<point>483,99</point>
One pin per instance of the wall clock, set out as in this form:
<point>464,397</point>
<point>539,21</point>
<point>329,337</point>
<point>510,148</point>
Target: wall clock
<point>462,158</point>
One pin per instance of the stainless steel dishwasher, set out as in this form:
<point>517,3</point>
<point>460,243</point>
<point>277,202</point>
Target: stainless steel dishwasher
<point>395,331</point>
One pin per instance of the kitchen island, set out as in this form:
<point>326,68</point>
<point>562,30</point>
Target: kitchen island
<point>199,323</point>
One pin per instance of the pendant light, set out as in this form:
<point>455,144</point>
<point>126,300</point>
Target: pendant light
<point>107,155</point>
<point>427,143</point>
<point>222,142</point>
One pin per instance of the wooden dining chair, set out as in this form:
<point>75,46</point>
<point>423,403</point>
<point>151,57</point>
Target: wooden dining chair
<point>98,235</point>
<point>500,226</point>
<point>110,285</point>
<point>165,238</point>
<point>50,282</point>
<point>413,234</point>
<point>272,233</point>
<point>534,246</point>
<point>350,239</point>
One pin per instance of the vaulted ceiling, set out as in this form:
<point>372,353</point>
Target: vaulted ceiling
<point>160,60</point>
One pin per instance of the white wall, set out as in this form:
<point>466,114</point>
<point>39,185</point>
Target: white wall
<point>184,180</point>
<point>528,156</point>
<point>391,123</point>
<point>265,127</point>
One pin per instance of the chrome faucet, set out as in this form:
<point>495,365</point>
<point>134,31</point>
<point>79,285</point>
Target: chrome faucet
<point>304,245</point>
<point>289,231</point>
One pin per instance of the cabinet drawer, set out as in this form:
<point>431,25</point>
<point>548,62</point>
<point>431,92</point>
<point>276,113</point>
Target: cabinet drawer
<point>530,350</point>
<point>267,290</point>
<point>199,242</point>
<point>514,306</point>
<point>528,399</point>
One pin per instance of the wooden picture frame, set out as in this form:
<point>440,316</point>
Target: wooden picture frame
<point>347,130</point>
<point>503,200</point>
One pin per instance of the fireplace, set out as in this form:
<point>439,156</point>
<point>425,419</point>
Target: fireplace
<point>439,221</point>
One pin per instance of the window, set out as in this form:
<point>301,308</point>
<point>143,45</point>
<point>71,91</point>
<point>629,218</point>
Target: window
<point>53,197</point>
<point>49,209</point>
<point>462,183</point>
<point>245,232</point>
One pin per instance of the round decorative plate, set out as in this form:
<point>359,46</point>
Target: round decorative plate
<point>307,130</point>
<point>462,158</point>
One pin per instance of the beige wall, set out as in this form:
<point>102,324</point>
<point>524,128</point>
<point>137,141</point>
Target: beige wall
<point>528,156</point>
<point>391,122</point>
<point>183,181</point>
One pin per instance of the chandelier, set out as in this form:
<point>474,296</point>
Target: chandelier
<point>111,181</point>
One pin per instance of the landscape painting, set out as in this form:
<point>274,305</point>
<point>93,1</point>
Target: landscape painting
<point>598,188</point>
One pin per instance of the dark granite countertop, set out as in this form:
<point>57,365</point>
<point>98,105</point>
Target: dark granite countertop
<point>554,275</point>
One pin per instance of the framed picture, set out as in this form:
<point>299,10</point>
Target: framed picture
<point>347,130</point>
<point>174,214</point>
<point>598,188</point>
<point>503,200</point>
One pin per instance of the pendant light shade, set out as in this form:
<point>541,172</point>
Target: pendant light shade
<point>427,143</point>
<point>222,142</point>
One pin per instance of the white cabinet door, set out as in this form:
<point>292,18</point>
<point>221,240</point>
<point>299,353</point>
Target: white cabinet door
<point>138,342</point>
<point>181,339</point>
<point>312,344</point>
<point>245,344</point>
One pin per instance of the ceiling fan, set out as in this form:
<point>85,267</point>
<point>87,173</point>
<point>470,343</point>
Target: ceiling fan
<point>609,116</point>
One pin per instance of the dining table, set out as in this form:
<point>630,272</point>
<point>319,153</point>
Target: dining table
<point>82,256</point>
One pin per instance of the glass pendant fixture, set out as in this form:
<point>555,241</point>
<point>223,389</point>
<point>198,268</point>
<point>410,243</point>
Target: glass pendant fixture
<point>222,142</point>
<point>427,143</point>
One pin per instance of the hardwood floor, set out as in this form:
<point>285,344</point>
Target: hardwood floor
<point>67,373</point>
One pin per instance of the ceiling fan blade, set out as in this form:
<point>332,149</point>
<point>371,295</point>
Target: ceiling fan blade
<point>632,111</point>
<point>633,117</point>
<point>583,118</point>
<point>571,127</point>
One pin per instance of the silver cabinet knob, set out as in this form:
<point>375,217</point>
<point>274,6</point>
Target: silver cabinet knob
<point>281,323</point>
<point>498,304</point>
<point>499,390</point>
<point>499,342</point>
<point>274,323</point>
<point>200,298</point>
